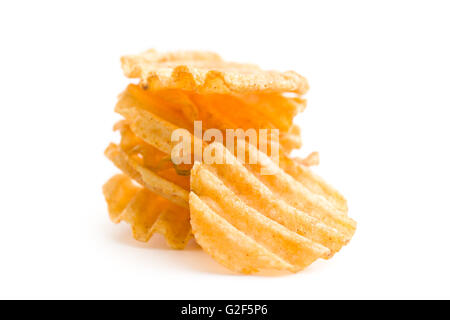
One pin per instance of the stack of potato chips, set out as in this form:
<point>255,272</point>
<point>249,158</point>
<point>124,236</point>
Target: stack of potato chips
<point>244,218</point>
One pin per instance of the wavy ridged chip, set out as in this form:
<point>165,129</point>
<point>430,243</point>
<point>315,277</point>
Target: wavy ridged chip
<point>247,219</point>
<point>160,204</point>
<point>153,119</point>
<point>250,222</point>
<point>206,72</point>
<point>145,147</point>
<point>146,212</point>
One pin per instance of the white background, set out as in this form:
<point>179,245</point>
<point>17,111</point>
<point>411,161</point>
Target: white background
<point>378,112</point>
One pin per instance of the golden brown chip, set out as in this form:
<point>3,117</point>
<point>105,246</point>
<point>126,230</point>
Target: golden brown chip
<point>206,72</point>
<point>146,177</point>
<point>305,190</point>
<point>146,212</point>
<point>152,158</point>
<point>157,114</point>
<point>157,132</point>
<point>229,246</point>
<point>266,111</point>
<point>118,192</point>
<point>143,124</point>
<point>245,219</point>
<point>270,217</point>
<point>300,172</point>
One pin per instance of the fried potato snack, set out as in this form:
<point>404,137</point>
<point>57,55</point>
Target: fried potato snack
<point>146,212</point>
<point>168,110</point>
<point>250,222</point>
<point>246,219</point>
<point>206,72</point>
<point>161,204</point>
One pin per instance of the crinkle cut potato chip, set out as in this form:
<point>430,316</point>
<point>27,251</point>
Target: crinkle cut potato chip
<point>155,127</point>
<point>152,143</point>
<point>147,177</point>
<point>160,206</point>
<point>152,158</point>
<point>156,132</point>
<point>179,109</point>
<point>244,218</point>
<point>249,222</point>
<point>146,212</point>
<point>146,164</point>
<point>205,72</point>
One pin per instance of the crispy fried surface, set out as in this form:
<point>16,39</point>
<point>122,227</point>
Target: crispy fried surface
<point>205,73</point>
<point>157,114</point>
<point>277,212</point>
<point>146,177</point>
<point>246,220</point>
<point>146,212</point>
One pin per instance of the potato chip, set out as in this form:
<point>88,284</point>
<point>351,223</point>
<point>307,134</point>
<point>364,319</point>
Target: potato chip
<point>152,158</point>
<point>205,73</point>
<point>143,125</point>
<point>300,172</point>
<point>118,192</point>
<point>146,177</point>
<point>170,109</point>
<point>244,218</point>
<point>157,132</point>
<point>146,212</point>
<point>228,245</point>
<point>267,111</point>
<point>273,217</point>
